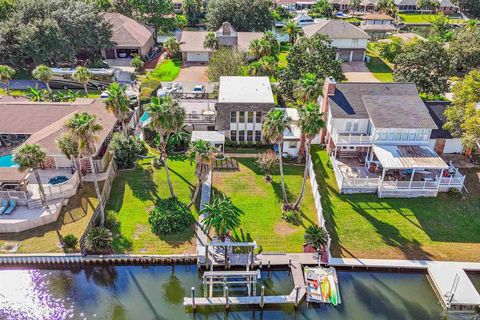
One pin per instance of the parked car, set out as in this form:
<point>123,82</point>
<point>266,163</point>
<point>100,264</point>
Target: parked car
<point>170,89</point>
<point>198,90</point>
<point>132,96</point>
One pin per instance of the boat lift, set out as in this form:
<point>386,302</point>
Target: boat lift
<point>229,279</point>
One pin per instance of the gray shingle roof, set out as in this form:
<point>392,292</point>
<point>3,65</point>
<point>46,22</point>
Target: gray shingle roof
<point>387,111</point>
<point>348,102</point>
<point>437,110</point>
<point>127,32</point>
<point>335,29</point>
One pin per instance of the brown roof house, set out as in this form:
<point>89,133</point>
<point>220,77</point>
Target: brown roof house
<point>350,41</point>
<point>193,50</point>
<point>129,36</point>
<point>377,25</point>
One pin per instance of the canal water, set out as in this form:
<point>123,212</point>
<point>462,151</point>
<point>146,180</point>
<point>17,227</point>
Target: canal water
<point>156,292</point>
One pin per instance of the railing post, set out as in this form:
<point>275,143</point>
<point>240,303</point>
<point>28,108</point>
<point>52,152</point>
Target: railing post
<point>193,298</point>
<point>226,297</point>
<point>297,293</point>
<point>262,294</point>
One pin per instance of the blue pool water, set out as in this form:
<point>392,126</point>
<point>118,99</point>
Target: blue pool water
<point>6,161</point>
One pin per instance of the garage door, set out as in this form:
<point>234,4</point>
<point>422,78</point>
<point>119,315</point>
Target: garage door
<point>357,56</point>
<point>197,56</point>
<point>344,55</point>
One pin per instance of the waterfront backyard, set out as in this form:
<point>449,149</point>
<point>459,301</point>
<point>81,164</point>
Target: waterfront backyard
<point>364,226</point>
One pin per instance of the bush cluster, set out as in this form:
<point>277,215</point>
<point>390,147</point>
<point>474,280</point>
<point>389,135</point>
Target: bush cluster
<point>170,216</point>
<point>125,151</point>
<point>249,144</point>
<point>70,241</point>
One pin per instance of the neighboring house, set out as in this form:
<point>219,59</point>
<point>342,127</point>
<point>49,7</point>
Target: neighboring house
<point>349,40</point>
<point>378,138</point>
<point>129,36</point>
<point>346,5</point>
<point>303,20</point>
<point>406,5</point>
<point>242,104</point>
<point>441,140</point>
<point>445,6</point>
<point>377,25</point>
<point>193,50</point>
<point>292,135</point>
<point>295,5</point>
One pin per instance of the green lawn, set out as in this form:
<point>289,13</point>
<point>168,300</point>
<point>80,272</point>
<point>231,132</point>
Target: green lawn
<point>364,226</point>
<point>260,202</point>
<point>381,69</point>
<point>134,194</point>
<point>166,71</point>
<point>416,18</point>
<point>73,219</point>
<point>282,57</point>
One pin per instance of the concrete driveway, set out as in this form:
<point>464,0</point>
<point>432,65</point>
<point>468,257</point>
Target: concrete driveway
<point>193,74</point>
<point>357,71</point>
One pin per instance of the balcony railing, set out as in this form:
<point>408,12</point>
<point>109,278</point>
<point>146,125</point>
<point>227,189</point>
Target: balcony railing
<point>199,118</point>
<point>350,139</point>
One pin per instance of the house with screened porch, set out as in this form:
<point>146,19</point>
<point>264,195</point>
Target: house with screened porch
<point>378,138</point>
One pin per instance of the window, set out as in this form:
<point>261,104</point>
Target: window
<point>241,117</point>
<point>391,135</point>
<point>349,126</point>
<point>258,117</point>
<point>355,126</point>
<point>411,134</point>
<point>233,135</point>
<point>241,135</point>
<point>250,117</point>
<point>258,135</point>
<point>404,135</point>
<point>398,135</point>
<point>292,144</point>
<point>249,135</point>
<point>233,117</point>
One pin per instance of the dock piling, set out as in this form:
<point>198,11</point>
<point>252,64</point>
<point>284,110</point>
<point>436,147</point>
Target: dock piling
<point>226,297</point>
<point>289,262</point>
<point>297,291</point>
<point>262,295</point>
<point>193,298</point>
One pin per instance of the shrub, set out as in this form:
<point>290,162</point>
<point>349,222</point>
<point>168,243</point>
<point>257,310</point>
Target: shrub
<point>98,240</point>
<point>170,216</point>
<point>292,216</point>
<point>125,151</point>
<point>111,220</point>
<point>267,162</point>
<point>70,241</point>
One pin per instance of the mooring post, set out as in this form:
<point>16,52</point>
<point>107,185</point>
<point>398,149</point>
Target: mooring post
<point>260,266</point>
<point>226,297</point>
<point>193,298</point>
<point>297,292</point>
<point>262,294</point>
<point>289,262</point>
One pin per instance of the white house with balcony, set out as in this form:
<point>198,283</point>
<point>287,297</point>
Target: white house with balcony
<point>349,40</point>
<point>378,138</point>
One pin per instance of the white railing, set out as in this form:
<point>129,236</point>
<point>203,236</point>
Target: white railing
<point>454,181</point>
<point>409,185</point>
<point>338,173</point>
<point>345,181</point>
<point>13,195</point>
<point>349,139</point>
<point>63,190</point>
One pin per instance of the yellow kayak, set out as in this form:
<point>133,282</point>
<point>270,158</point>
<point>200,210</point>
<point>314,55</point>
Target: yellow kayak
<point>326,289</point>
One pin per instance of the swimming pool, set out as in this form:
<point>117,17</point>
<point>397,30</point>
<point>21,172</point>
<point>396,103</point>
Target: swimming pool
<point>6,161</point>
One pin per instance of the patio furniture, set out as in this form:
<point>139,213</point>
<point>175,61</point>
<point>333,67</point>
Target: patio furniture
<point>13,205</point>
<point>4,206</point>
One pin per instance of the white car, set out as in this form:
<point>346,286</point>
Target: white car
<point>198,90</point>
<point>170,89</point>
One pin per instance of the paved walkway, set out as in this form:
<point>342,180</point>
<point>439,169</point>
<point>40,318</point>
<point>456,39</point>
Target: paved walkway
<point>202,238</point>
<point>357,71</point>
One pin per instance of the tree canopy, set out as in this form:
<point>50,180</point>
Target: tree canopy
<point>225,62</point>
<point>52,31</point>
<point>193,10</point>
<point>314,55</point>
<point>244,15</point>
<point>464,49</point>
<point>463,116</point>
<point>426,63</point>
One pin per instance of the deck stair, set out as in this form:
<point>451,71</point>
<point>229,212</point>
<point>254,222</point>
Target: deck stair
<point>34,203</point>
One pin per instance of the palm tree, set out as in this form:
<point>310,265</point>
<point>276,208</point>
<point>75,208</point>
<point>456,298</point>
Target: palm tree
<point>273,42</point>
<point>316,237</point>
<point>310,123</point>
<point>137,62</point>
<point>268,65</point>
<point>118,103</point>
<point>255,48</point>
<point>292,30</point>
<point>6,74</point>
<point>69,147</point>
<point>272,129</point>
<point>84,129</point>
<point>221,215</point>
<point>166,117</point>
<point>211,41</point>
<point>309,88</point>
<point>203,153</point>
<point>172,46</point>
<point>43,73</point>
<point>31,157</point>
<point>82,75</point>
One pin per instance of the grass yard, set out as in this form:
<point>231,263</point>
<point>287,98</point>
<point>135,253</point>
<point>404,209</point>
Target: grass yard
<point>417,18</point>
<point>135,192</point>
<point>364,226</point>
<point>72,220</point>
<point>260,202</point>
<point>382,70</point>
<point>282,57</point>
<point>166,71</point>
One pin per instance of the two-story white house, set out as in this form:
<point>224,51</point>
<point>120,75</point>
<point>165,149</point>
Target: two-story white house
<point>378,137</point>
<point>377,25</point>
<point>349,40</point>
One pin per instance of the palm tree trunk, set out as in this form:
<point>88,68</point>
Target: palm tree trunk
<point>305,174</point>
<point>280,160</point>
<point>301,150</point>
<point>86,90</point>
<point>7,87</point>
<point>99,195</point>
<point>195,194</point>
<point>78,165</point>
<point>43,197</point>
<point>124,129</point>
<point>48,86</point>
<point>170,186</point>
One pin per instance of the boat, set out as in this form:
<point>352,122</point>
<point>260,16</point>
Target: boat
<point>333,290</point>
<point>322,285</point>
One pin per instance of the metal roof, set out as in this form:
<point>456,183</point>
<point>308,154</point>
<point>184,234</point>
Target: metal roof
<point>208,136</point>
<point>408,157</point>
